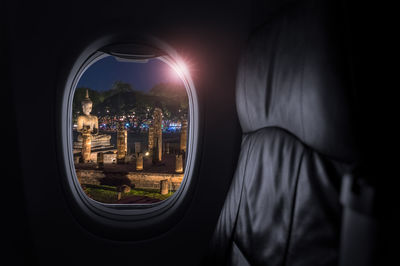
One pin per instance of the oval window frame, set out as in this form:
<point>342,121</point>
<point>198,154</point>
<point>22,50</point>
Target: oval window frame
<point>132,221</point>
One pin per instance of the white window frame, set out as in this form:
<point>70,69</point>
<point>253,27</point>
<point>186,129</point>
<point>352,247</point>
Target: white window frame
<point>128,216</point>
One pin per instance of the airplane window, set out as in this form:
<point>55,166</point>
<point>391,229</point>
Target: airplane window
<point>130,123</point>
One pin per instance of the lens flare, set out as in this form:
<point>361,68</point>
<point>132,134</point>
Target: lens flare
<point>180,69</point>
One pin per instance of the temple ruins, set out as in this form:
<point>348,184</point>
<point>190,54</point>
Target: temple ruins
<point>153,162</point>
<point>155,136</point>
<point>89,142</point>
<point>122,143</point>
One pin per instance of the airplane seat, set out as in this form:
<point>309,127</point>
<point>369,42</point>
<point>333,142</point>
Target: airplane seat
<point>294,101</point>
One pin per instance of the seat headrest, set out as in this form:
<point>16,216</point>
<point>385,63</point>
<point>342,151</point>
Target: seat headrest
<point>294,75</point>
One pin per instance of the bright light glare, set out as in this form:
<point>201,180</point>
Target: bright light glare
<point>180,69</point>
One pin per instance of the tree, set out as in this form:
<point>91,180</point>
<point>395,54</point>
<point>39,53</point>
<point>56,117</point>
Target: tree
<point>120,87</point>
<point>173,97</point>
<point>122,99</point>
<point>170,90</point>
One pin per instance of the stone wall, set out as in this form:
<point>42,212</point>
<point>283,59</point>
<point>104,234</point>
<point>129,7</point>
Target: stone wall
<point>108,158</point>
<point>139,179</point>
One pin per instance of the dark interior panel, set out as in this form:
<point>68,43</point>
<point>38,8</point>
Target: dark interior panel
<point>42,41</point>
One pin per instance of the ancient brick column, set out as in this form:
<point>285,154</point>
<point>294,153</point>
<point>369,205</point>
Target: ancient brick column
<point>179,163</point>
<point>151,139</point>
<point>139,161</point>
<point>122,143</point>
<point>155,152</point>
<point>100,159</point>
<point>167,147</point>
<point>77,158</point>
<point>164,187</point>
<point>159,149</point>
<point>137,147</point>
<point>157,125</point>
<point>184,127</point>
<point>86,146</point>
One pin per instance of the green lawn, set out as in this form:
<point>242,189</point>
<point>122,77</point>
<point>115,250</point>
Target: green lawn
<point>109,194</point>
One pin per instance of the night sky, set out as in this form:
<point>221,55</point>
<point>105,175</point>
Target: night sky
<point>142,76</point>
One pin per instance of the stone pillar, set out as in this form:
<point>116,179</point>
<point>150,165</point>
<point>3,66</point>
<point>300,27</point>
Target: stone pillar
<point>159,149</point>
<point>154,153</point>
<point>164,187</point>
<point>167,147</point>
<point>122,143</point>
<point>183,143</point>
<point>157,127</point>
<point>179,163</point>
<point>139,161</point>
<point>137,148</point>
<point>100,159</point>
<point>151,139</point>
<point>86,146</point>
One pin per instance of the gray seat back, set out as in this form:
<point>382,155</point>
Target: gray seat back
<point>293,102</point>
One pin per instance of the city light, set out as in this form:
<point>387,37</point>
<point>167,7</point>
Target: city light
<point>133,131</point>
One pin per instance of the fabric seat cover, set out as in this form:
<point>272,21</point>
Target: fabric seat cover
<point>293,102</point>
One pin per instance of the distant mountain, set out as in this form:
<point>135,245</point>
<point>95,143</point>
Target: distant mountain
<point>169,90</point>
<point>121,99</point>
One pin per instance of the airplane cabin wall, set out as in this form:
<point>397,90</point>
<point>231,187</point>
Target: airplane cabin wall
<point>43,41</point>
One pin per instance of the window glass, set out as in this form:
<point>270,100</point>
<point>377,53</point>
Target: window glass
<point>130,128</point>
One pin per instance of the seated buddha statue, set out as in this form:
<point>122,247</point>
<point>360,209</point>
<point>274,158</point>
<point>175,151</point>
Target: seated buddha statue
<point>89,124</point>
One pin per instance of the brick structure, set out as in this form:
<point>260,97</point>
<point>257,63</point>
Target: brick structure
<point>183,139</point>
<point>164,187</point>
<point>179,163</point>
<point>139,161</point>
<point>155,135</point>
<point>122,143</point>
<point>86,145</point>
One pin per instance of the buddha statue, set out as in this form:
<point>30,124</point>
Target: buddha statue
<point>87,122</point>
<point>88,127</point>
